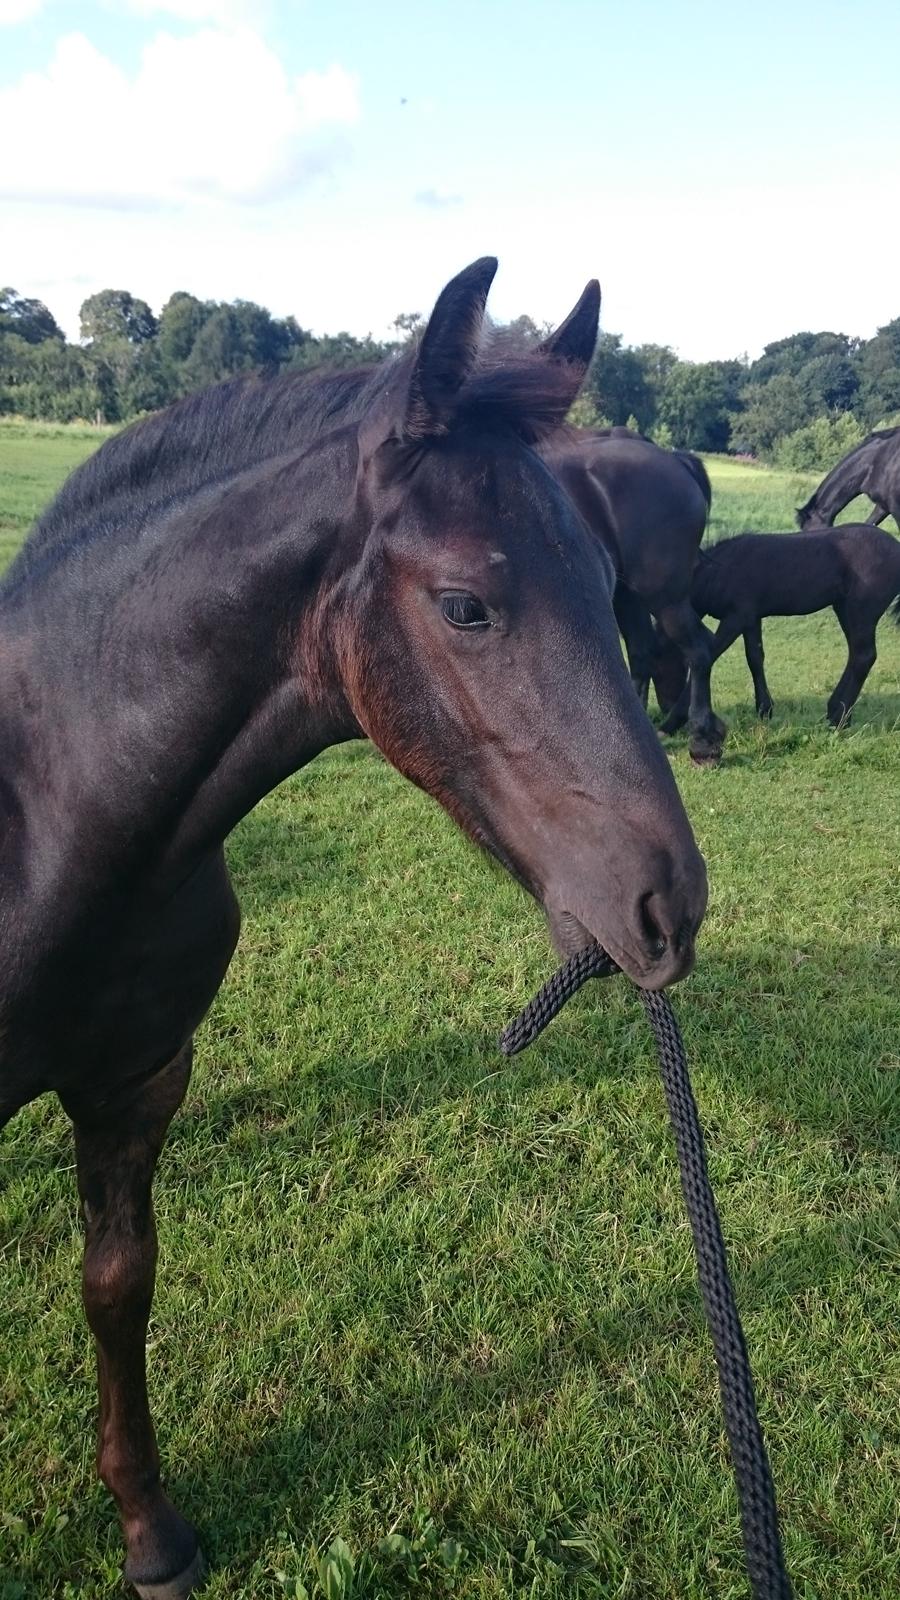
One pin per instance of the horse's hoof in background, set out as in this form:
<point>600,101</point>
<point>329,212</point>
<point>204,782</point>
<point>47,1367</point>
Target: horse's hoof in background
<point>187,1583</point>
<point>765,710</point>
<point>705,752</point>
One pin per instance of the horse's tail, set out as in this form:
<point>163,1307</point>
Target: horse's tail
<point>698,472</point>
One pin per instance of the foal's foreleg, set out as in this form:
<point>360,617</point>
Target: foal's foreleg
<point>862,655</point>
<point>682,625</point>
<point>715,645</point>
<point>753,650</point>
<point>117,1153</point>
<point>877,516</point>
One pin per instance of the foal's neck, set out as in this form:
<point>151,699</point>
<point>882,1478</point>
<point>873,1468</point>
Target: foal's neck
<point>174,680</point>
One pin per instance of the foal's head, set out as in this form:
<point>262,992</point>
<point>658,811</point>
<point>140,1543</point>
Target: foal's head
<point>480,651</point>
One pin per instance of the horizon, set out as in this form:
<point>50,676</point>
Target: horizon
<point>370,163</point>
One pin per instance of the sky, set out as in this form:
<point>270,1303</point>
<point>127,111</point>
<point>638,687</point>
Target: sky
<point>730,173</point>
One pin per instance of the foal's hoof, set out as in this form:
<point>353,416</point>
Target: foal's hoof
<point>187,1583</point>
<point>705,750</point>
<point>765,711</point>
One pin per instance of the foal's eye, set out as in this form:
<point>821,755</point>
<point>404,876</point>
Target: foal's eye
<point>464,611</point>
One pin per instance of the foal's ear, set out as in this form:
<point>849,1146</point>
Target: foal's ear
<point>575,339</point>
<point>448,351</point>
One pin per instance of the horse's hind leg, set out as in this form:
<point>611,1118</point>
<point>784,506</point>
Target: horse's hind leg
<point>681,624</point>
<point>859,631</point>
<point>753,650</point>
<point>636,628</point>
<point>117,1150</point>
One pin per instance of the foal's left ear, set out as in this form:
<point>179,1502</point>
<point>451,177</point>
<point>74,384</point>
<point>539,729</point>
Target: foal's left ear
<point>575,339</point>
<point>449,350</point>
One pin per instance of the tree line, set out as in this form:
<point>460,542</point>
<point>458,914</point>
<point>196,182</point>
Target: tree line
<point>803,403</point>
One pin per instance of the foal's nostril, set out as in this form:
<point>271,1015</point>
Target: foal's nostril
<point>657,941</point>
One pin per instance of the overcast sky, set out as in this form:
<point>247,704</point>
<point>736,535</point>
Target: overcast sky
<point>730,173</point>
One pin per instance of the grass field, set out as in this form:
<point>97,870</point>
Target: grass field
<point>444,1308</point>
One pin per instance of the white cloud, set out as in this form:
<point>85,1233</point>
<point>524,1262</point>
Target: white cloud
<point>212,115</point>
<point>13,11</point>
<point>225,13</point>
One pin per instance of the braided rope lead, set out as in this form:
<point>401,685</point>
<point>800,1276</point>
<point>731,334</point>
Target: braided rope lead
<point>756,1494</point>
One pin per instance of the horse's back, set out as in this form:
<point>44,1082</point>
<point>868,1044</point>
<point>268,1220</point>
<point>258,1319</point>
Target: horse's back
<point>660,511</point>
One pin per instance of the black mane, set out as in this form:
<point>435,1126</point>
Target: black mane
<point>220,431</point>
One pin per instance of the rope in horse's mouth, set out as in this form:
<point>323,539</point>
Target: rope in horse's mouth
<point>756,1494</point>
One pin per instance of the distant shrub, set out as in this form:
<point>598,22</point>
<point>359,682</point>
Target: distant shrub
<point>584,414</point>
<point>820,445</point>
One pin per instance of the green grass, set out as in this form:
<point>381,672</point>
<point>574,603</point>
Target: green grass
<point>764,499</point>
<point>409,1290</point>
<point>34,458</point>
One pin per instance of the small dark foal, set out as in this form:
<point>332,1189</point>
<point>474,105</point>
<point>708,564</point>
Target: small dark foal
<point>854,568</point>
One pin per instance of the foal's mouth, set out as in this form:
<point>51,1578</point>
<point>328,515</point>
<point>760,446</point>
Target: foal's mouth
<point>653,964</point>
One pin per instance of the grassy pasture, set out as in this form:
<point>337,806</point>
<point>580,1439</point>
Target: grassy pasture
<point>443,1307</point>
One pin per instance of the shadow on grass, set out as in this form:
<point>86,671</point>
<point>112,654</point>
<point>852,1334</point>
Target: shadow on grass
<point>792,724</point>
<point>288,1482</point>
<point>830,1072</point>
<point>813,1035</point>
<point>274,856</point>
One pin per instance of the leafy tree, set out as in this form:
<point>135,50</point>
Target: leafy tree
<point>525,330</point>
<point>820,445</point>
<point>409,325</point>
<point>829,382</point>
<point>769,411</point>
<point>51,379</point>
<point>116,314</point>
<point>27,319</point>
<point>337,350</point>
<point>803,401</point>
<point>697,401</point>
<point>879,370</point>
<point>657,361</point>
<point>180,321</point>
<point>618,385</point>
<point>238,337</point>
<point>790,354</point>
<point>152,381</point>
<point>584,414</point>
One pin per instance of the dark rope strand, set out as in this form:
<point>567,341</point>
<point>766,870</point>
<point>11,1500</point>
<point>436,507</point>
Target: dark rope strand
<point>756,1494</point>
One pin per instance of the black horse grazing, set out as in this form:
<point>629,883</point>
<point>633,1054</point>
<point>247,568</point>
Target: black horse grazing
<point>264,570</point>
<point>872,468</point>
<point>648,508</point>
<point>854,568</point>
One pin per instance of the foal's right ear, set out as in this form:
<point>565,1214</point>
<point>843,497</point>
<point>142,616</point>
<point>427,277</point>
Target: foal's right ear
<point>575,339</point>
<point>448,352</point>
